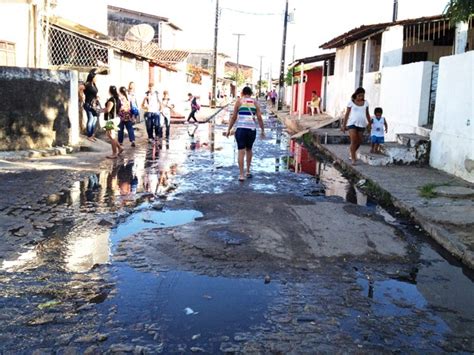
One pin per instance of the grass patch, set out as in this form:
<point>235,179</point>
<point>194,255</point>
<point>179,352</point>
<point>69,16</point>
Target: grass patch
<point>428,190</point>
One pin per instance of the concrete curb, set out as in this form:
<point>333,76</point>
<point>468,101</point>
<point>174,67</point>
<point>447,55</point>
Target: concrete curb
<point>439,234</point>
<point>38,153</point>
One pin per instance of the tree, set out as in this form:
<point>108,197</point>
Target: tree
<point>459,10</point>
<point>240,78</point>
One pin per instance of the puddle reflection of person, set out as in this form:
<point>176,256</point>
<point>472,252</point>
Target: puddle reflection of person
<point>125,179</point>
<point>195,143</point>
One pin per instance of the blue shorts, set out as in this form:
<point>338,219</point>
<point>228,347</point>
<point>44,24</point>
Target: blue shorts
<point>245,138</point>
<point>377,140</point>
<point>357,128</point>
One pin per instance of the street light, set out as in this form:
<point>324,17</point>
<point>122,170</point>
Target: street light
<point>260,79</point>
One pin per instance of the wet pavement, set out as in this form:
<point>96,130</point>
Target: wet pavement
<point>165,251</point>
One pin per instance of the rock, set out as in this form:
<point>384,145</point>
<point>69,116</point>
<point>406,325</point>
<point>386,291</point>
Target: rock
<point>44,319</point>
<point>196,349</point>
<point>140,350</point>
<point>121,348</point>
<point>102,337</point>
<point>157,206</point>
<point>229,348</point>
<point>64,339</point>
<point>90,338</point>
<point>106,223</point>
<point>92,350</point>
<point>267,279</point>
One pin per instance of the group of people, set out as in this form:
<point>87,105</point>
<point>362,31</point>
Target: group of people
<point>358,118</point>
<point>123,103</point>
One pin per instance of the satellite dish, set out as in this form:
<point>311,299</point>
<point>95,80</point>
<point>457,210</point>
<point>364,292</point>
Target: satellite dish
<point>143,33</point>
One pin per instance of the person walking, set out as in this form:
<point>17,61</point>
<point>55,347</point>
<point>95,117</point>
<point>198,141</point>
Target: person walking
<point>133,102</point>
<point>111,110</point>
<point>356,119</point>
<point>273,97</point>
<point>126,118</point>
<point>194,107</point>
<point>152,106</point>
<point>91,105</point>
<point>166,107</point>
<point>245,117</point>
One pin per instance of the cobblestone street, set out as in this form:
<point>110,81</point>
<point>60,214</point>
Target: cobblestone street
<point>165,251</point>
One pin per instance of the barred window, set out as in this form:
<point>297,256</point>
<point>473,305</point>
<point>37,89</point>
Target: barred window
<point>7,53</point>
<point>67,49</point>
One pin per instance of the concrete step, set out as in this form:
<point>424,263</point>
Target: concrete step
<point>375,159</point>
<point>411,140</point>
<point>405,154</point>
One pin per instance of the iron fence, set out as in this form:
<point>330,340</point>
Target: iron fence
<point>67,50</point>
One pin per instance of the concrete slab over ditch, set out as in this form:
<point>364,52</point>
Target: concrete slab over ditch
<point>440,216</point>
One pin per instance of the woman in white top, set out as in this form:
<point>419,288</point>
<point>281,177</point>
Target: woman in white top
<point>356,120</point>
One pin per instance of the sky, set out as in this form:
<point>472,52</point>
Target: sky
<point>261,22</point>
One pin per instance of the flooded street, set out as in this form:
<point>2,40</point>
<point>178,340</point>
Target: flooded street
<point>166,251</point>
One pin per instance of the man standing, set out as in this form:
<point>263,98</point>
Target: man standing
<point>152,107</point>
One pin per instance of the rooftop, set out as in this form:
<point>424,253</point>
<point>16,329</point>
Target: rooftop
<point>139,15</point>
<point>368,30</point>
<point>152,51</point>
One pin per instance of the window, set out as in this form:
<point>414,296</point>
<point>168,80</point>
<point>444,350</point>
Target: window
<point>413,57</point>
<point>7,53</point>
<point>204,63</point>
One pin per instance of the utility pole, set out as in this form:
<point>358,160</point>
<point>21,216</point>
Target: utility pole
<point>260,79</point>
<point>237,67</point>
<point>214,58</point>
<point>395,10</point>
<point>282,63</point>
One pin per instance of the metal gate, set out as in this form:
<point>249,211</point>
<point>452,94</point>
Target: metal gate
<point>434,88</point>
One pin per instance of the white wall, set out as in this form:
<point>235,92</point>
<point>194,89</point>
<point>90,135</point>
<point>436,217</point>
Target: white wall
<point>15,23</point>
<point>452,137</point>
<point>392,47</point>
<point>404,97</point>
<point>342,85</point>
<point>372,90</point>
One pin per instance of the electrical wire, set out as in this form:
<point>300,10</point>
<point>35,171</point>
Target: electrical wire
<point>253,13</point>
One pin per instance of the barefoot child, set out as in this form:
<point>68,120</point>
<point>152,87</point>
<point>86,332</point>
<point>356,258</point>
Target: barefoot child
<point>377,125</point>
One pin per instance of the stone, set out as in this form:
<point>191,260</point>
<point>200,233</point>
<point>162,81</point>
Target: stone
<point>106,223</point>
<point>454,191</point>
<point>121,348</point>
<point>229,348</point>
<point>92,350</point>
<point>196,349</point>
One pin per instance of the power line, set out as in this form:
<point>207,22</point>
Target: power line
<point>253,13</point>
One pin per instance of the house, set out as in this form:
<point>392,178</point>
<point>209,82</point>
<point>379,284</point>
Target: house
<point>246,76</point>
<point>312,70</point>
<point>402,65</point>
<point>203,59</point>
<point>120,20</point>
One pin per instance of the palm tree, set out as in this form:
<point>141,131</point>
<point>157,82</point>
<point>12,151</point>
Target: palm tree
<point>459,10</point>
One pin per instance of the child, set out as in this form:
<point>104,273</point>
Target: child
<point>377,125</point>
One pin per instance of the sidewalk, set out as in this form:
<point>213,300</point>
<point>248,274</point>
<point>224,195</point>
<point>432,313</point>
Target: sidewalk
<point>447,215</point>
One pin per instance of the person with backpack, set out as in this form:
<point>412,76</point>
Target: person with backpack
<point>126,118</point>
<point>152,106</point>
<point>195,107</point>
<point>111,110</point>
<point>133,102</point>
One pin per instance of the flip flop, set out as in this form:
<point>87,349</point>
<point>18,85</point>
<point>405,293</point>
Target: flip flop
<point>241,179</point>
<point>249,176</point>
